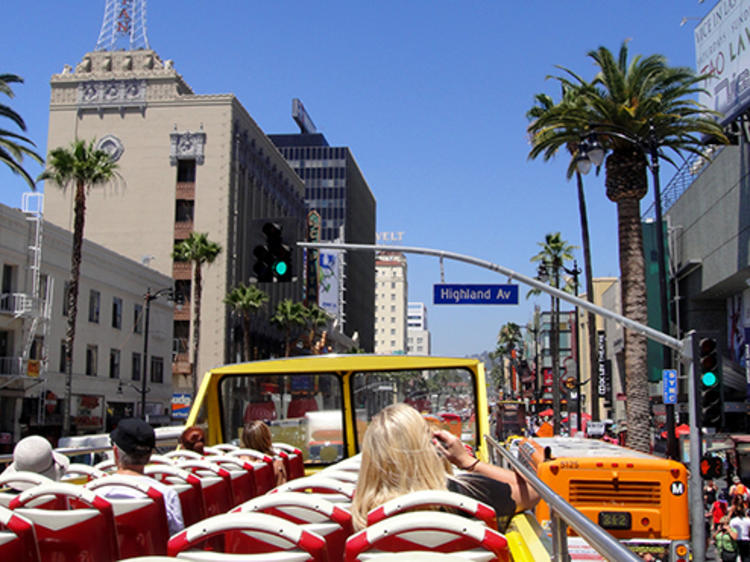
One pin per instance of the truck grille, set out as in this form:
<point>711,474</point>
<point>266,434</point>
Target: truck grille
<point>598,492</point>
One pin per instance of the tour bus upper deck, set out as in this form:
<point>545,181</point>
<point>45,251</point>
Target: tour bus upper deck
<point>323,404</point>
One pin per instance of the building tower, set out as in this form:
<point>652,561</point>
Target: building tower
<point>187,163</point>
<point>418,336</point>
<point>391,292</point>
<point>337,190</point>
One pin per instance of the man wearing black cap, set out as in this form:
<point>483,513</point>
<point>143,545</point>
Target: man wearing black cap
<point>132,442</point>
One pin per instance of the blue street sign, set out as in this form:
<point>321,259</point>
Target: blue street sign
<point>475,294</point>
<point>669,384</point>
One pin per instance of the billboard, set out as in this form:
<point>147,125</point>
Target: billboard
<point>331,269</point>
<point>722,41</point>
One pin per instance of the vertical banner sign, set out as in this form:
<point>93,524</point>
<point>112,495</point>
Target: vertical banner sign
<point>603,382</point>
<point>311,258</point>
<point>330,267</point>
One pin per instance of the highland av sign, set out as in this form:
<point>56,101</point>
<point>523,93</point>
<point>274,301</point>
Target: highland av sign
<point>475,294</point>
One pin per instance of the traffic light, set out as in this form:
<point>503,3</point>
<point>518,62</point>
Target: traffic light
<point>707,365</point>
<point>273,260</point>
<point>711,467</point>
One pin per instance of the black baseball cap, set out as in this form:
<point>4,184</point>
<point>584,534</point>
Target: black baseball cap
<point>133,435</point>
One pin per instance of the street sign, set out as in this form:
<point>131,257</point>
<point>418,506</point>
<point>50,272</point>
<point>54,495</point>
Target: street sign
<point>669,384</point>
<point>475,294</point>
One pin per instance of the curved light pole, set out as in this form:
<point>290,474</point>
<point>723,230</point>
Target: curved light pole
<point>575,271</point>
<point>172,296</point>
<point>591,152</point>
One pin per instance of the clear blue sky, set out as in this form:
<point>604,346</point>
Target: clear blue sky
<point>430,96</point>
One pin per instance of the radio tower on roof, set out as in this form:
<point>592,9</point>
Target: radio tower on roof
<point>124,26</point>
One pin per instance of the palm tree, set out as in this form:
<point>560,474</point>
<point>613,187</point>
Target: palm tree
<point>315,317</point>
<point>246,300</point>
<point>508,339</point>
<point>544,106</point>
<point>12,150</point>
<point>198,249</point>
<point>83,166</point>
<point>288,315</point>
<point>634,107</point>
<point>555,251</point>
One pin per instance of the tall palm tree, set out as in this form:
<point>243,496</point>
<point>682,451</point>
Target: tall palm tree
<point>85,167</point>
<point>633,106</point>
<point>508,340</point>
<point>545,105</point>
<point>552,257</point>
<point>12,147</point>
<point>198,250</point>
<point>288,315</point>
<point>315,317</point>
<point>246,300</point>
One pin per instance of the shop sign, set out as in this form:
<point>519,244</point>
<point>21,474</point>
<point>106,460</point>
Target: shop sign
<point>180,405</point>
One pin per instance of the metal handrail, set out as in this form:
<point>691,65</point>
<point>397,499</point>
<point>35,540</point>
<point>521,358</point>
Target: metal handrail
<point>563,513</point>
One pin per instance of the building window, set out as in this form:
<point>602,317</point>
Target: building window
<point>393,308</point>
<point>393,343</point>
<point>393,331</point>
<point>393,319</point>
<point>94,298</point>
<point>92,358</point>
<point>116,312</point>
<point>393,296</point>
<point>184,210</point>
<point>114,363</point>
<point>186,171</point>
<point>66,287</point>
<point>138,319</point>
<point>157,369</point>
<point>62,356</point>
<point>135,369</point>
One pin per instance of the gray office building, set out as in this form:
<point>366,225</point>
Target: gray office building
<point>336,188</point>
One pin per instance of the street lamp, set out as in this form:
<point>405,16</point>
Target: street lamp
<point>649,146</point>
<point>171,296</point>
<point>575,272</point>
<point>543,274</point>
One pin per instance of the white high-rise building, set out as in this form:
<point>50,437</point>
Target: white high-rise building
<point>391,297</point>
<point>418,336</point>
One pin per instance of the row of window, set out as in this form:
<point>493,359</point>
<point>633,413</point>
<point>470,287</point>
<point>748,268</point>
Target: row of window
<point>156,368</point>
<point>313,152</point>
<point>95,298</point>
<point>327,173</point>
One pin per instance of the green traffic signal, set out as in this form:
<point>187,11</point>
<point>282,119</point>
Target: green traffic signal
<point>709,379</point>
<point>280,268</point>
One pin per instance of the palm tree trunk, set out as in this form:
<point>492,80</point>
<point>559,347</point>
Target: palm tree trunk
<point>288,342</point>
<point>633,291</point>
<point>591,320</point>
<point>198,284</point>
<point>72,296</point>
<point>246,335</point>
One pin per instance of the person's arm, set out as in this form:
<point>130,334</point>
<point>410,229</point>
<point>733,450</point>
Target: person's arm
<point>524,496</point>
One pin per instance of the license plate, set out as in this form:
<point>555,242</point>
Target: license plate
<point>614,520</point>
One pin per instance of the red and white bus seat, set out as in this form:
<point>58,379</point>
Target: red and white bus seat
<point>343,475</point>
<point>107,465</point>
<point>82,472</point>
<point>141,522</point>
<point>84,532</point>
<point>332,490</point>
<point>216,483</point>
<point>271,534</point>
<point>17,538</point>
<point>429,530</point>
<point>160,459</point>
<point>182,454</point>
<point>265,478</point>
<point>294,460</point>
<point>27,480</point>
<point>329,520</point>
<point>188,487</point>
<point>223,447</point>
<point>351,464</point>
<point>424,499</point>
<point>243,476</point>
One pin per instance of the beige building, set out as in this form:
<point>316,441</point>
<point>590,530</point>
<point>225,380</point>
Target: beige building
<point>187,162</point>
<point>107,354</point>
<point>391,299</point>
<point>606,294</point>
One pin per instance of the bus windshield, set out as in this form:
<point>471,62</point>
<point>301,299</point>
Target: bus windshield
<point>445,397</point>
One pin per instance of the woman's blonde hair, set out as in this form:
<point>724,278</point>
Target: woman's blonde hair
<point>256,435</point>
<point>398,457</point>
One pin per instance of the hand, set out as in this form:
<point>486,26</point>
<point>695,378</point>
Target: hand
<point>451,448</point>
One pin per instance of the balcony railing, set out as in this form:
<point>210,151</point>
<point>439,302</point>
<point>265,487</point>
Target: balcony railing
<point>11,366</point>
<point>16,303</point>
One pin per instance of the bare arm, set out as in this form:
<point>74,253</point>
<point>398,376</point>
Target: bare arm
<point>451,447</point>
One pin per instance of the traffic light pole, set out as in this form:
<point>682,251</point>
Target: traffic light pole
<point>684,347</point>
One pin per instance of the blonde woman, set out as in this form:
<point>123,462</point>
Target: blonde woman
<point>401,454</point>
<point>256,435</point>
